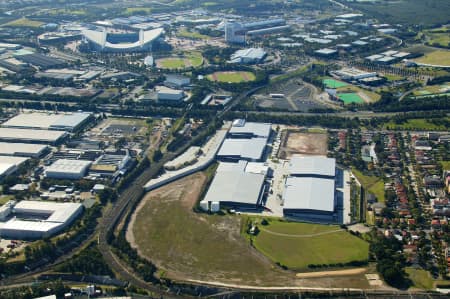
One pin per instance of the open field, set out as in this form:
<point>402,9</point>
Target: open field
<point>193,59</point>
<point>415,124</point>
<point>421,279</point>
<point>366,95</point>
<point>23,22</point>
<point>433,90</point>
<point>232,77</point>
<point>297,245</point>
<point>331,83</point>
<point>209,248</point>
<point>371,184</point>
<point>349,98</point>
<point>196,246</point>
<point>439,57</point>
<point>445,165</point>
<point>137,10</point>
<point>411,11</point>
<point>191,34</point>
<point>294,142</point>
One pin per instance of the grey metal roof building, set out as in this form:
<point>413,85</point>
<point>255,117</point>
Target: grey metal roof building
<point>310,199</point>
<point>233,187</point>
<point>61,122</point>
<point>316,166</point>
<point>242,149</point>
<point>22,149</point>
<point>31,135</point>
<point>244,129</point>
<point>310,191</point>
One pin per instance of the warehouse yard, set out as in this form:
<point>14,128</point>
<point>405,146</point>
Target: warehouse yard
<point>295,142</point>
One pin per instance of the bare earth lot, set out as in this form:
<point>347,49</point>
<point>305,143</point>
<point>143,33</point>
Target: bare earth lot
<point>209,249</point>
<point>302,143</point>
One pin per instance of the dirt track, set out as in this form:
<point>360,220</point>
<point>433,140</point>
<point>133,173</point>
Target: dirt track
<point>331,273</point>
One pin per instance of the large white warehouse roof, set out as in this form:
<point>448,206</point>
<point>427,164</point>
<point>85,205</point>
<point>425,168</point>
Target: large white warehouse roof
<point>242,127</point>
<point>21,149</point>
<point>31,135</point>
<point>36,120</point>
<point>249,149</point>
<point>307,193</point>
<point>312,165</point>
<point>71,169</point>
<point>232,184</point>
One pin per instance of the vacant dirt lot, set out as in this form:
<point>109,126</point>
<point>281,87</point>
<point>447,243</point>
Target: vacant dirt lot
<point>294,142</point>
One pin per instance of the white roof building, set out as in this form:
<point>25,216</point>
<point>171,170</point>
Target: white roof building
<point>242,149</point>
<point>312,166</point>
<point>244,129</point>
<point>251,55</point>
<point>8,164</point>
<point>307,193</point>
<point>31,135</point>
<point>55,217</point>
<point>45,121</point>
<point>22,149</point>
<point>67,169</point>
<point>233,186</point>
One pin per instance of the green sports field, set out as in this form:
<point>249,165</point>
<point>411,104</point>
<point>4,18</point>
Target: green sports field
<point>331,83</point>
<point>232,77</point>
<point>349,98</point>
<point>193,59</point>
<point>297,245</point>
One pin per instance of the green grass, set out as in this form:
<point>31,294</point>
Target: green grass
<point>415,124</point>
<point>232,77</point>
<point>196,245</point>
<point>193,59</point>
<point>5,198</point>
<point>173,63</point>
<point>299,252</point>
<point>371,184</point>
<point>439,57</point>
<point>420,278</point>
<point>24,22</point>
<point>414,12</point>
<point>331,83</point>
<point>349,98</point>
<point>445,165</point>
<point>191,34</point>
<point>134,10</point>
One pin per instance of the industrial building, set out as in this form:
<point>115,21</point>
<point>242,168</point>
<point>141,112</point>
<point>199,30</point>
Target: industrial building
<point>311,192</point>
<point>70,122</point>
<point>248,56</point>
<point>235,32</point>
<point>22,149</point>
<point>37,219</point>
<point>102,41</point>
<point>243,129</point>
<point>31,136</point>
<point>350,74</point>
<point>176,81</point>
<point>169,95</point>
<point>8,165</point>
<point>67,169</point>
<point>249,149</point>
<point>235,187</point>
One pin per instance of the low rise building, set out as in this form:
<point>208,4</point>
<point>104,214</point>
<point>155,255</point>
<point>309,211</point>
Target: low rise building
<point>67,169</point>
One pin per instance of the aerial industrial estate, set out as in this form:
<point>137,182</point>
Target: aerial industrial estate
<point>228,149</point>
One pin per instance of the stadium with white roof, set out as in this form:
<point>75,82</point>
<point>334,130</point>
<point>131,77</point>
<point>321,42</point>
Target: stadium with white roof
<point>102,41</point>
